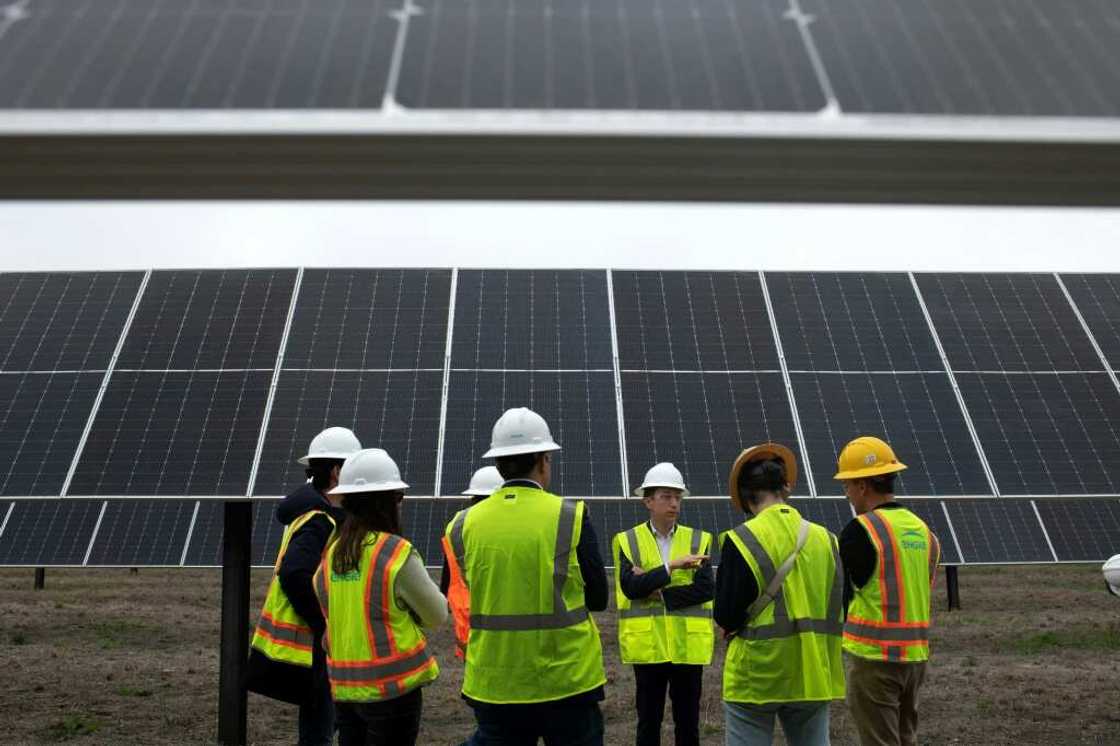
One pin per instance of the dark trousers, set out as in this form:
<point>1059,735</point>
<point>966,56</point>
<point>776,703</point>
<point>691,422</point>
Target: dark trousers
<point>883,701</point>
<point>391,722</point>
<point>316,714</point>
<point>523,725</point>
<point>684,684</point>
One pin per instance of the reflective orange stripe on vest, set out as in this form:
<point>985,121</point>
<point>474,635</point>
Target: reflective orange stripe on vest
<point>892,634</point>
<point>458,598</point>
<point>388,665</point>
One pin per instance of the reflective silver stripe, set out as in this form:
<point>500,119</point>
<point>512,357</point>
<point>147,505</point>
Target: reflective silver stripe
<point>692,611</point>
<point>888,634</point>
<point>892,612</point>
<point>561,616</point>
<point>378,614</point>
<point>791,627</point>
<point>697,537</point>
<point>635,552</point>
<point>455,535</point>
<point>283,634</point>
<point>637,612</point>
<point>836,595</point>
<point>894,653</point>
<point>765,564</point>
<point>374,670</point>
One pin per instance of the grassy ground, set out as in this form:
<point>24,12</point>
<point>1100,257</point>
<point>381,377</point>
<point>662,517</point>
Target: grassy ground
<point>109,657</point>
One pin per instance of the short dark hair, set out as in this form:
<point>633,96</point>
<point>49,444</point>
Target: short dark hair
<point>882,484</point>
<point>319,471</point>
<point>768,475</point>
<point>517,466</point>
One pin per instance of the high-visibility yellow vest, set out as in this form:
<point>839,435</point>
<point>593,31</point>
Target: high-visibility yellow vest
<point>531,637</point>
<point>647,631</point>
<point>375,650</point>
<point>458,598</point>
<point>281,633</point>
<point>888,618</point>
<point>790,652</point>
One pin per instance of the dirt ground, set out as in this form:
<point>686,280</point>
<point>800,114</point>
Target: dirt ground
<point>111,657</point>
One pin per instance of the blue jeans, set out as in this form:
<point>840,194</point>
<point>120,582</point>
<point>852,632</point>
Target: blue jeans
<point>804,723</point>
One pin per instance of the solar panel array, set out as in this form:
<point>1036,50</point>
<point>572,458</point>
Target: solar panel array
<point>863,56</point>
<point>196,384</point>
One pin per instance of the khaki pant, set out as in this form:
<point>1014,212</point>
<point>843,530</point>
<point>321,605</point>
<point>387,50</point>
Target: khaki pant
<point>883,701</point>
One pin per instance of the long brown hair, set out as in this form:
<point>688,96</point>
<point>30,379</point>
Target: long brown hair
<point>366,512</point>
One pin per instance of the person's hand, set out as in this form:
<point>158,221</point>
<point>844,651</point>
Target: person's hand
<point>639,571</point>
<point>688,562</point>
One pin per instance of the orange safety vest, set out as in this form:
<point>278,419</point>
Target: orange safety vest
<point>458,598</point>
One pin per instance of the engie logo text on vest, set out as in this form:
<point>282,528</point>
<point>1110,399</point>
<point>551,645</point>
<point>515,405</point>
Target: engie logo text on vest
<point>913,540</point>
<point>345,577</point>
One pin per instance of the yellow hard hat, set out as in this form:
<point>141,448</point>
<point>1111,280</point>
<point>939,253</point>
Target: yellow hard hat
<point>762,452</point>
<point>867,456</point>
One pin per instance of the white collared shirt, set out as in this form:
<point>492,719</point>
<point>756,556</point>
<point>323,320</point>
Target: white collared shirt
<point>664,543</point>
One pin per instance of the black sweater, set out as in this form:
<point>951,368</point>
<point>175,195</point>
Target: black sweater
<point>305,551</point>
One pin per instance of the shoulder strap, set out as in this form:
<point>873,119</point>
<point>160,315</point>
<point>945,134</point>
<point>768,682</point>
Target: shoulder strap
<point>767,596</point>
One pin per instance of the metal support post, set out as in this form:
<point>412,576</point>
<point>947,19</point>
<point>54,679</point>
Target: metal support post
<point>232,697</point>
<point>953,587</point>
<point>40,578</point>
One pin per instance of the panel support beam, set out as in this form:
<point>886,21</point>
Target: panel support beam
<point>956,389</point>
<point>1045,533</point>
<point>618,388</point>
<point>712,156</point>
<point>237,536</point>
<point>437,490</point>
<point>807,468</point>
<point>40,578</point>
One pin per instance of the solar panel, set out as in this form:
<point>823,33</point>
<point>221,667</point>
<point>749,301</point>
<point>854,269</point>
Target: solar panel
<point>160,433</point>
<point>41,421</point>
<point>190,319</point>
<point>998,531</point>
<point>851,321</point>
<point>397,411</point>
<point>48,532</point>
<point>692,321</point>
<point>1098,299</point>
<point>1003,322</point>
<point>142,533</point>
<point>62,321</point>
<point>1082,530</point>
<point>205,548</point>
<point>245,54</point>
<point>1047,434</point>
<point>988,57</point>
<point>365,318</point>
<point>579,407</point>
<point>424,521</point>
<point>539,320</point>
<point>701,422</point>
<point>618,55</point>
<point>916,413</point>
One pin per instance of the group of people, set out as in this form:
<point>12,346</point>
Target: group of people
<point>343,632</point>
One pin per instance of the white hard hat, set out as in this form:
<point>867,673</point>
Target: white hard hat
<point>484,482</point>
<point>518,431</point>
<point>334,442</point>
<point>1111,571</point>
<point>662,475</point>
<point>369,470</point>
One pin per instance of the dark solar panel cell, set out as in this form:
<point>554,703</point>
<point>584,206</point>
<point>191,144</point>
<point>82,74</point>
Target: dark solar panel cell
<point>701,422</point>
<point>847,321</point>
<point>1082,530</point>
<point>1000,530</point>
<point>623,54</point>
<point>692,321</point>
<point>917,415</point>
<point>1047,434</point>
<point>49,532</point>
<point>580,409</point>
<point>191,319</point>
<point>1098,299</point>
<point>1012,322</point>
<point>174,434</point>
<point>63,321</point>
<point>539,319</point>
<point>41,422</point>
<point>142,532</point>
<point>396,411</point>
<point>367,318</point>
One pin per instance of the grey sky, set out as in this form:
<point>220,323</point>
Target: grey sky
<point>110,235</point>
